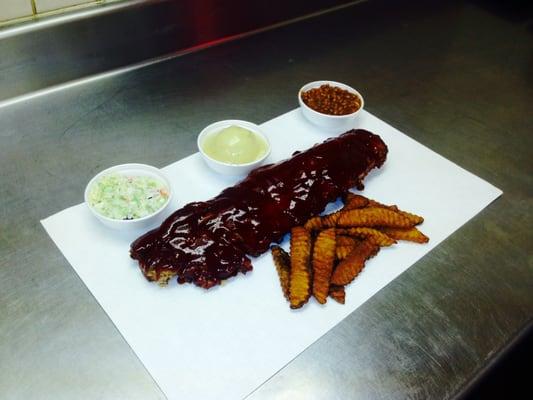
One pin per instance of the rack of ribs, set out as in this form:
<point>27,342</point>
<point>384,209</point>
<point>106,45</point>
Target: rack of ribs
<point>207,242</point>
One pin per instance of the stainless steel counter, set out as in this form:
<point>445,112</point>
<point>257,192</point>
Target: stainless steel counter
<point>456,77</point>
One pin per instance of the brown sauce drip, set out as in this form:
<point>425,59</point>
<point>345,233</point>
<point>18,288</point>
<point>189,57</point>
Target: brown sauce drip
<point>206,242</point>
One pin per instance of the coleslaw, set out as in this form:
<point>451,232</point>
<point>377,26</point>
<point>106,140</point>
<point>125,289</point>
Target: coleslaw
<point>126,197</point>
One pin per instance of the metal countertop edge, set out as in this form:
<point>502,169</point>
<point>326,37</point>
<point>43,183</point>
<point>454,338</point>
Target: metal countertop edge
<point>519,337</point>
<point>122,70</point>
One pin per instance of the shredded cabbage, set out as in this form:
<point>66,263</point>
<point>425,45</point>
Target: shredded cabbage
<point>119,196</point>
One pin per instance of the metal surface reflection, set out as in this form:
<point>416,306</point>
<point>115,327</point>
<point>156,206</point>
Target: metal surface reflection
<point>452,75</point>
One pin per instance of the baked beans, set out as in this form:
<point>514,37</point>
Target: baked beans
<point>331,100</point>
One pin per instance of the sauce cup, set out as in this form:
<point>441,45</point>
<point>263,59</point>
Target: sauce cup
<point>226,168</point>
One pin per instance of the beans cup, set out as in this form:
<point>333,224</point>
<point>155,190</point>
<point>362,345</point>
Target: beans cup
<point>330,105</point>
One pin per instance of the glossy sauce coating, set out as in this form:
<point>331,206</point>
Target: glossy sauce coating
<point>206,242</point>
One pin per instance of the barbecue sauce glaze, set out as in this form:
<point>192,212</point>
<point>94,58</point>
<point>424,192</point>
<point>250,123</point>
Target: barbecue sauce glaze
<point>206,242</point>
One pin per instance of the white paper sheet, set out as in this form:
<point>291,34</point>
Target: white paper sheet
<point>225,342</point>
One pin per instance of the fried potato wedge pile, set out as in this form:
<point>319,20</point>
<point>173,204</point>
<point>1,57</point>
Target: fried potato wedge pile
<point>329,251</point>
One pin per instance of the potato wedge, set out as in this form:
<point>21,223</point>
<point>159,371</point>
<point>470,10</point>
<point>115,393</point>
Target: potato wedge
<point>352,265</point>
<point>415,219</point>
<point>300,275</point>
<point>282,261</point>
<point>353,201</point>
<point>373,216</point>
<point>411,234</point>
<point>322,262</point>
<point>377,204</point>
<point>377,237</point>
<point>322,222</point>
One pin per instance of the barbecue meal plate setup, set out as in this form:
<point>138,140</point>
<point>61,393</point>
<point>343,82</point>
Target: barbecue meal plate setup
<point>218,226</point>
<point>205,242</point>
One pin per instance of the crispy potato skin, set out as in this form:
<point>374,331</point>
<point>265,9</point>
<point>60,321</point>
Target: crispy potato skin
<point>344,240</point>
<point>353,201</point>
<point>337,293</point>
<point>376,236</point>
<point>344,246</point>
<point>352,265</point>
<point>377,204</point>
<point>411,235</point>
<point>373,216</point>
<point>323,259</point>
<point>313,224</point>
<point>300,275</point>
<point>415,219</point>
<point>343,251</point>
<point>326,221</point>
<point>282,262</point>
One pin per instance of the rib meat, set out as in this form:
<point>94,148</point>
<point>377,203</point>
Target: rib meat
<point>206,242</point>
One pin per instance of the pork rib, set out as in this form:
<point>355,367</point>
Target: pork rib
<point>206,242</point>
